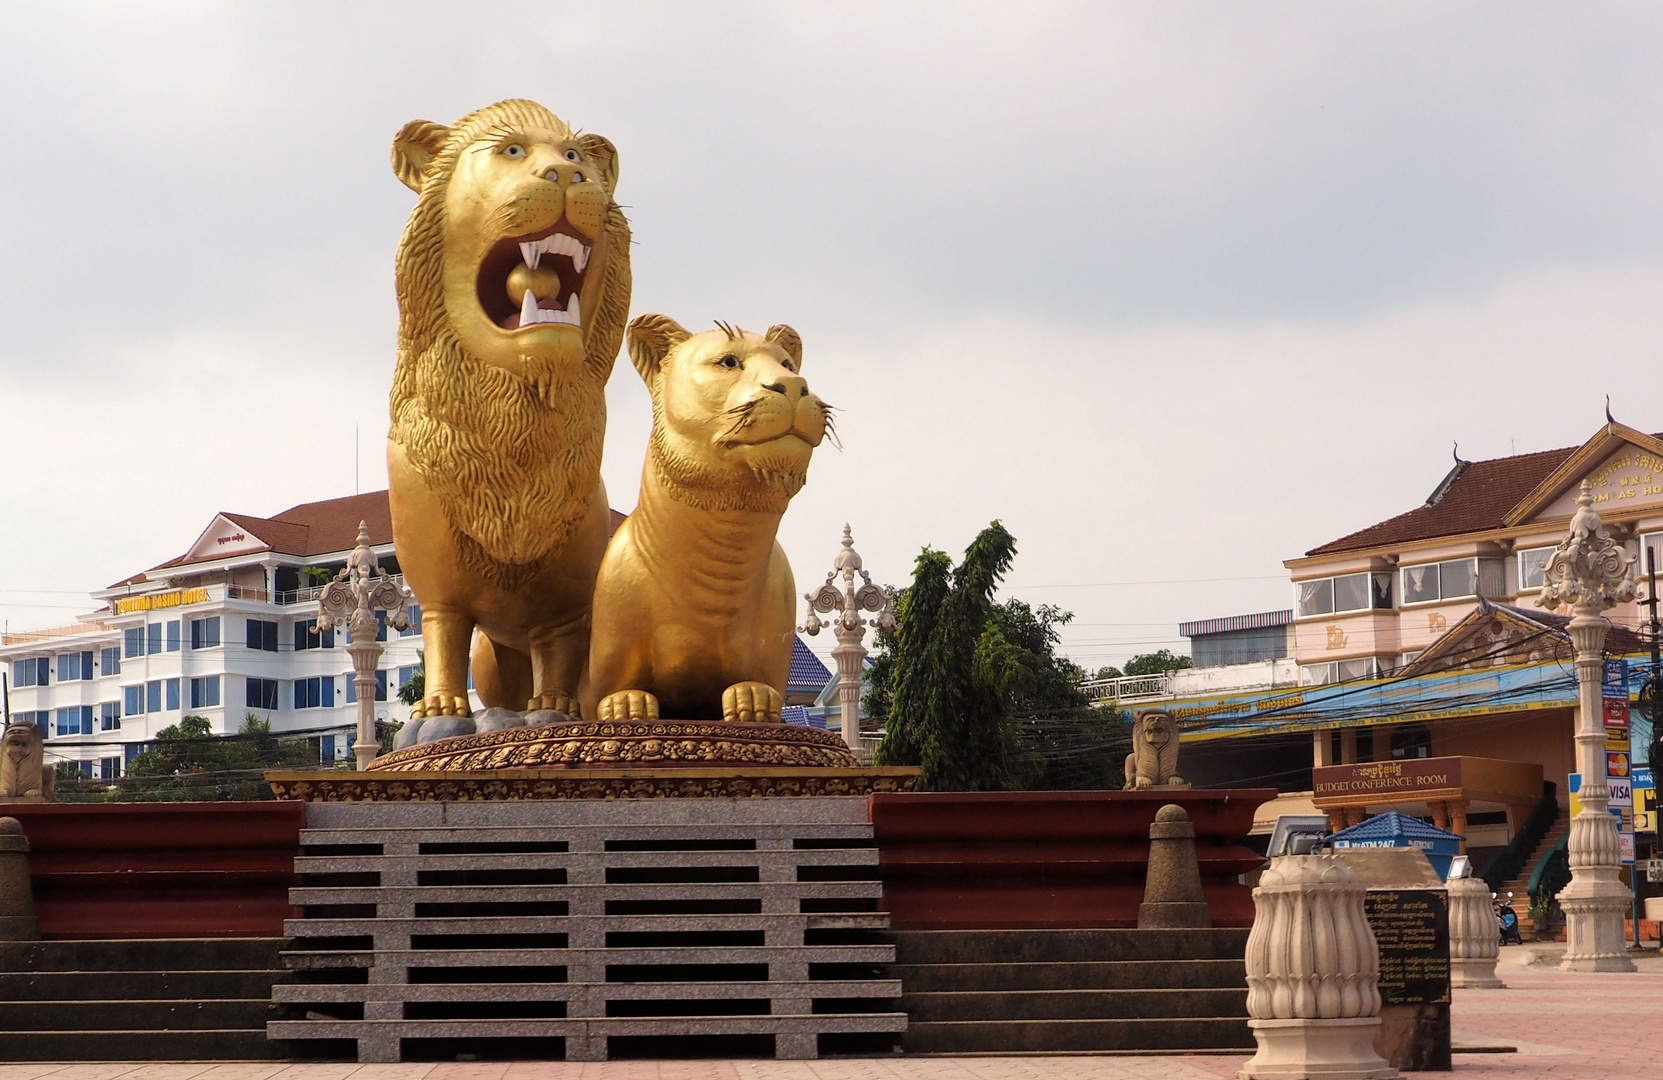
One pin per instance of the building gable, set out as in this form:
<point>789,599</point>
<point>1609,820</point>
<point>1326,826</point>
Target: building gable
<point>1623,466</point>
<point>222,537</point>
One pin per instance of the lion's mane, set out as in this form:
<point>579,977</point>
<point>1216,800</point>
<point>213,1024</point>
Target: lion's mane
<point>512,462</point>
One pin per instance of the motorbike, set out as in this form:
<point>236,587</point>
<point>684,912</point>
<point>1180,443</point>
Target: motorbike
<point>1508,918</point>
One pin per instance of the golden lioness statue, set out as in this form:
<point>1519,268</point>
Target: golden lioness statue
<point>1153,762</point>
<point>513,289</point>
<point>24,774</point>
<point>694,602</point>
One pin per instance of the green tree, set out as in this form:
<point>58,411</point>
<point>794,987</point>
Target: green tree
<point>188,763</point>
<point>415,688</point>
<point>1157,663</point>
<point>1108,673</point>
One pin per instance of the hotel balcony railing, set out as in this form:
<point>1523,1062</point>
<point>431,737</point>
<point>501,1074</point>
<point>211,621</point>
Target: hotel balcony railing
<point>301,596</point>
<point>1194,682</point>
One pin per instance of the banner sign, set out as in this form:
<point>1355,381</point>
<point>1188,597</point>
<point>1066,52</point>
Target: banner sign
<point>1615,683</point>
<point>1377,701</point>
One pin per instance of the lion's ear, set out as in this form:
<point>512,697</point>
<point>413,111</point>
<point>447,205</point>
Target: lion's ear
<point>414,148</point>
<point>787,339</point>
<point>601,151</point>
<point>651,337</point>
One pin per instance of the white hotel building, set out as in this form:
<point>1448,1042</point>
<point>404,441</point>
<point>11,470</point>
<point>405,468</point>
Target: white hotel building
<point>222,631</point>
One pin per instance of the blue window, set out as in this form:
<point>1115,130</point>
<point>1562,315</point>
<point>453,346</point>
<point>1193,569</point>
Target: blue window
<point>131,751</point>
<point>205,692</point>
<point>109,768</point>
<point>109,715</point>
<point>75,720</point>
<point>381,626</point>
<point>261,693</point>
<point>109,662</point>
<point>153,638</point>
<point>326,748</point>
<point>318,692</point>
<point>153,696</point>
<point>414,614</point>
<point>173,636</point>
<point>132,642</point>
<point>133,700</point>
<point>172,694</point>
<point>74,666</point>
<point>34,671</point>
<point>205,632</point>
<point>405,674</point>
<point>305,637</point>
<point>262,635</point>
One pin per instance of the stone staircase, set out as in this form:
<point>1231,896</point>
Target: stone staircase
<point>589,930</point>
<point>156,999</point>
<point>1035,991</point>
<point>1519,886</point>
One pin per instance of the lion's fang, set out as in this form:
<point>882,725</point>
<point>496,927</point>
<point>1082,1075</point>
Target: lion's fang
<point>528,308</point>
<point>532,252</point>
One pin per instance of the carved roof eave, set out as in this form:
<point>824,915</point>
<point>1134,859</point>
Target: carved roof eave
<point>1571,470</point>
<point>1427,663</point>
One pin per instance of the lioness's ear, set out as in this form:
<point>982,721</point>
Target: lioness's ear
<point>787,339</point>
<point>601,151</point>
<point>651,337</point>
<point>413,149</point>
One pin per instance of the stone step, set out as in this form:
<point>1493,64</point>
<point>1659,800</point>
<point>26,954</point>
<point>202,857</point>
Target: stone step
<point>234,1044</point>
<point>138,1015</point>
<point>1001,1005</point>
<point>1101,975</point>
<point>142,954</point>
<point>1031,946</point>
<point>1033,1036</point>
<point>137,985</point>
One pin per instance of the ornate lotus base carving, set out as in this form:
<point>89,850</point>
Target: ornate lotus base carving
<point>603,782</point>
<point>645,743</point>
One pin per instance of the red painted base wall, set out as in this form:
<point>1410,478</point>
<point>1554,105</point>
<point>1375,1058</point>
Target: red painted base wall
<point>120,870</point>
<point>1054,859</point>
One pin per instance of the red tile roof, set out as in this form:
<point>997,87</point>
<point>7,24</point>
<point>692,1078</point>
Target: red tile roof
<point>1476,499</point>
<point>317,528</point>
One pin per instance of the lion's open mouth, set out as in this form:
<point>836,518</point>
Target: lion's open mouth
<point>535,279</point>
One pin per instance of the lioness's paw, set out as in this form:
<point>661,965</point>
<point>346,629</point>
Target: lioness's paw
<point>439,703</point>
<point>628,705</point>
<point>554,699</point>
<point>752,702</point>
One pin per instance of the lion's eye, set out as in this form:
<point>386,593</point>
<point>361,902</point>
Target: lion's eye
<point>514,150</point>
<point>573,155</point>
<point>729,361</point>
<point>789,366</point>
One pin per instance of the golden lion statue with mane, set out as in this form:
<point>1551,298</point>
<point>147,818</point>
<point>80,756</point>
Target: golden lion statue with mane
<point>513,288</point>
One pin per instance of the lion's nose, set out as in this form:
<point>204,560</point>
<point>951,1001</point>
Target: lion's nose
<point>789,385</point>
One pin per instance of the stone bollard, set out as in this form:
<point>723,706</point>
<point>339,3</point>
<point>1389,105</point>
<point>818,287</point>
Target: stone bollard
<point>1474,935</point>
<point>1172,896</point>
<point>17,900</point>
<point>1312,970</point>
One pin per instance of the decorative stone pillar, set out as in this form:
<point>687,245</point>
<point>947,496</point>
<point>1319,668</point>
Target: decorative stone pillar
<point>1590,572</point>
<point>849,627</point>
<point>17,898</point>
<point>1172,896</point>
<point>356,594</point>
<point>1312,974</point>
<point>1474,935</point>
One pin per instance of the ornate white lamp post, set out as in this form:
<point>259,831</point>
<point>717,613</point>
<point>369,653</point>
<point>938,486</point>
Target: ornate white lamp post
<point>849,626</point>
<point>353,598</point>
<point>1590,572</point>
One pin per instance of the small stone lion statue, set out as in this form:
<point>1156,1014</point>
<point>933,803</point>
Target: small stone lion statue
<point>24,774</point>
<point>1153,762</point>
<point>695,601</point>
<point>513,284</point>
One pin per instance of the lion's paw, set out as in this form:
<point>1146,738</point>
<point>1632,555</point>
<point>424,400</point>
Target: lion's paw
<point>628,705</point>
<point>752,702</point>
<point>439,703</point>
<point>556,700</point>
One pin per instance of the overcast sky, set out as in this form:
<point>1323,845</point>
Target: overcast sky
<point>1177,291</point>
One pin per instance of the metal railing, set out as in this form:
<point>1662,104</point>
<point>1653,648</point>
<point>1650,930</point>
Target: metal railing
<point>1194,682</point>
<point>301,596</point>
<point>247,592</point>
<point>1128,688</point>
<point>49,633</point>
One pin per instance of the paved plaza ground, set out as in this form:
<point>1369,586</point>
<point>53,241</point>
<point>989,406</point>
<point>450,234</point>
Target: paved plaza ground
<point>1587,1027</point>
